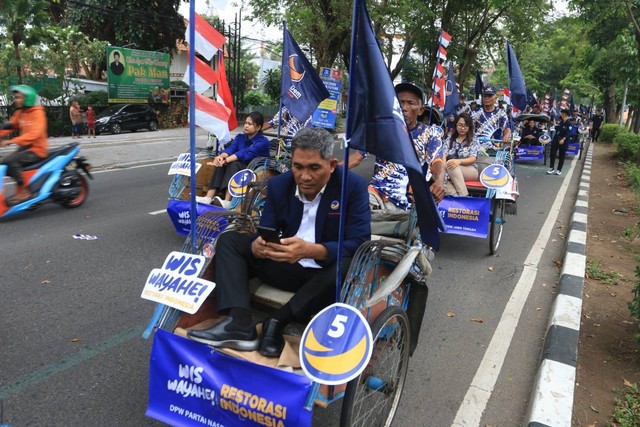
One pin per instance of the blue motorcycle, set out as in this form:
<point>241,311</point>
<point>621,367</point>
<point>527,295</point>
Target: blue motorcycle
<point>56,178</point>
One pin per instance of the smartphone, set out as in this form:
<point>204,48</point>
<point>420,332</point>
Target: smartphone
<point>268,234</point>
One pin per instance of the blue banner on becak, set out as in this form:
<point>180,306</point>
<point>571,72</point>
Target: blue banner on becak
<point>180,213</point>
<point>535,152</point>
<point>191,385</point>
<point>467,216</point>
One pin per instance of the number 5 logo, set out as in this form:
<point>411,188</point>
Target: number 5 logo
<point>336,345</point>
<point>337,326</point>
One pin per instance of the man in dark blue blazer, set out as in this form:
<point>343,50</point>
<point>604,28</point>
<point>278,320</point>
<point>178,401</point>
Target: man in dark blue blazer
<point>303,205</point>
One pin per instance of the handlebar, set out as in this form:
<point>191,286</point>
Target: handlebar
<point>483,139</point>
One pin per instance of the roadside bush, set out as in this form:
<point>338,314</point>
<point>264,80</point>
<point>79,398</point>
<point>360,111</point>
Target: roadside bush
<point>632,172</point>
<point>608,133</point>
<point>634,305</point>
<point>627,145</point>
<point>98,98</point>
<point>253,98</point>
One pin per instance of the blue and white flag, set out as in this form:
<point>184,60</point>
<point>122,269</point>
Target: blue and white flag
<point>453,95</point>
<point>301,90</point>
<point>375,122</point>
<point>478,86</point>
<point>516,81</point>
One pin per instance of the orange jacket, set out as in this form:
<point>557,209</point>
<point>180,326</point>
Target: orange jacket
<point>32,126</point>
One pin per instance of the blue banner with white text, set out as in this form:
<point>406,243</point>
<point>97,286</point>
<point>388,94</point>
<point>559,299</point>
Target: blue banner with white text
<point>180,213</point>
<point>467,216</point>
<point>192,385</point>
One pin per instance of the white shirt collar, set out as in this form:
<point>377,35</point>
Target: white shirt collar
<point>303,198</point>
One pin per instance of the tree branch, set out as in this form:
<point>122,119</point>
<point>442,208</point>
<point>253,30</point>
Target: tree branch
<point>631,15</point>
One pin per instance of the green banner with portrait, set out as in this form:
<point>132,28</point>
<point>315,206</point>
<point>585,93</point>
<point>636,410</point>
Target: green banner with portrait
<point>137,76</point>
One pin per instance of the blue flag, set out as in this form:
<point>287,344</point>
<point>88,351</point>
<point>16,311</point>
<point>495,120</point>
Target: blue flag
<point>301,90</point>
<point>479,85</point>
<point>516,81</point>
<point>375,122</point>
<point>452,100</point>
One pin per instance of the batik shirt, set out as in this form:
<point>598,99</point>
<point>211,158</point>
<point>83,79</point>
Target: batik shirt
<point>391,180</point>
<point>489,124</point>
<point>463,108</point>
<point>290,124</point>
<point>460,151</point>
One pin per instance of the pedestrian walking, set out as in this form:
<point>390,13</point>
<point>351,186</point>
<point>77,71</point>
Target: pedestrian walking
<point>596,125</point>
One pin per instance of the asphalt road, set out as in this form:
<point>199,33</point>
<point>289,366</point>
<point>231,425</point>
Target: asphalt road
<point>71,313</point>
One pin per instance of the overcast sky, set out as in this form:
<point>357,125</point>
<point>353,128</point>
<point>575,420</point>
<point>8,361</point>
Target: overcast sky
<point>251,32</point>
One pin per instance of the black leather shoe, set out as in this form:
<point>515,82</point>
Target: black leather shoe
<point>228,335</point>
<point>272,340</point>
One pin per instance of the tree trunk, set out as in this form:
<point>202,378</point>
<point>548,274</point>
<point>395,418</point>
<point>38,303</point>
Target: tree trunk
<point>631,118</point>
<point>610,104</point>
<point>469,58</point>
<point>16,53</point>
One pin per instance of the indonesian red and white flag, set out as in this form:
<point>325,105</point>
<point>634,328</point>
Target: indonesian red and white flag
<point>439,71</point>
<point>205,76</point>
<point>445,38</point>
<point>211,115</point>
<point>442,53</point>
<point>439,94</point>
<point>207,39</point>
<point>437,100</point>
<point>506,97</point>
<point>224,94</point>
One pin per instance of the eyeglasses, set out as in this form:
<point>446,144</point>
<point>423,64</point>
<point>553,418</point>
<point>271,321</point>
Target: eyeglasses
<point>462,125</point>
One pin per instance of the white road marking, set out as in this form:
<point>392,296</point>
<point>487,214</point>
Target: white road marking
<point>120,168</point>
<point>158,212</point>
<point>477,397</point>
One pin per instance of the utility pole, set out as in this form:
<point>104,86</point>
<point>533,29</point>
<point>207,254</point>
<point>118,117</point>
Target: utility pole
<point>624,102</point>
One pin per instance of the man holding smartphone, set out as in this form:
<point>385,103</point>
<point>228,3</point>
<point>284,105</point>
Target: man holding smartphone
<point>304,206</point>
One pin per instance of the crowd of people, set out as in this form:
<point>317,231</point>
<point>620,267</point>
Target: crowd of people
<point>296,204</point>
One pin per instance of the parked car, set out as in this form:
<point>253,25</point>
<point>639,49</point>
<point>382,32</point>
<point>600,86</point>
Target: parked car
<point>131,117</point>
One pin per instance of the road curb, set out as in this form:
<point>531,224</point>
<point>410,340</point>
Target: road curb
<point>551,402</point>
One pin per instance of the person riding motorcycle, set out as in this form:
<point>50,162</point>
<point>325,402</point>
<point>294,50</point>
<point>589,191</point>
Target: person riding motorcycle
<point>30,121</point>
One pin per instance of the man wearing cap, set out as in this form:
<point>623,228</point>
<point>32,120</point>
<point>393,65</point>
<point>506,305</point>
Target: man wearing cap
<point>463,107</point>
<point>390,181</point>
<point>489,121</point>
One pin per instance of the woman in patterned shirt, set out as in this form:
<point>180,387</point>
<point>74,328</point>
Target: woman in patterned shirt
<point>462,153</point>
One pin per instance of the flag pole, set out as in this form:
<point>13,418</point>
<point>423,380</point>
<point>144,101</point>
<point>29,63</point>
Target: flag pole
<point>284,32</point>
<point>511,96</point>
<point>192,123</point>
<point>348,131</point>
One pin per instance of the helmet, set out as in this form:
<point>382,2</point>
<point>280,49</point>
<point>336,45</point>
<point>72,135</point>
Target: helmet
<point>30,94</point>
